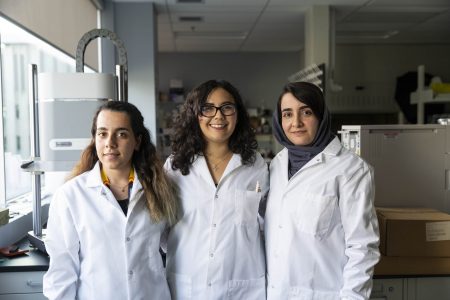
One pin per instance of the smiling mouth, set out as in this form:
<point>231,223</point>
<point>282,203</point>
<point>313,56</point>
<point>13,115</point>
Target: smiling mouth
<point>298,132</point>
<point>218,126</point>
<point>111,154</point>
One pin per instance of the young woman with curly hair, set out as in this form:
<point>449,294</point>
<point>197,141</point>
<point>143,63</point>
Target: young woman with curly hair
<point>106,222</point>
<point>215,251</point>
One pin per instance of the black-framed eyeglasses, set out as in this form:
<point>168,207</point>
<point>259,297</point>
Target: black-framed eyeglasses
<point>208,110</point>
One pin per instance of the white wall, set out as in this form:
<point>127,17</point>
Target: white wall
<point>258,76</point>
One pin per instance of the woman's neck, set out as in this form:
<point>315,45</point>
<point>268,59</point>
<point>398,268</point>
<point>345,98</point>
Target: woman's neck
<point>216,150</point>
<point>118,176</point>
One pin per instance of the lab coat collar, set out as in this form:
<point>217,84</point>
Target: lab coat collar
<point>332,149</point>
<point>200,162</point>
<point>94,179</point>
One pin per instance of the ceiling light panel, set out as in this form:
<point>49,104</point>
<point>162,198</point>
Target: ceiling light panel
<point>190,1</point>
<point>392,17</point>
<point>190,19</point>
<point>220,18</point>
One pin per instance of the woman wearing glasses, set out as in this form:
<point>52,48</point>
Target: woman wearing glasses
<point>215,250</point>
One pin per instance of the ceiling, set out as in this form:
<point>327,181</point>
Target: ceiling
<point>278,25</point>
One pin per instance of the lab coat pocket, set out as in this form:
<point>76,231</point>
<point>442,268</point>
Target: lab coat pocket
<point>180,286</point>
<point>246,207</point>
<point>247,289</point>
<point>300,293</point>
<point>314,213</point>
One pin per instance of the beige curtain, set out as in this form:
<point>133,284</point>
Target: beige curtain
<point>60,22</point>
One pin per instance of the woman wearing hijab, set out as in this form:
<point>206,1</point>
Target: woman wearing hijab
<point>320,225</point>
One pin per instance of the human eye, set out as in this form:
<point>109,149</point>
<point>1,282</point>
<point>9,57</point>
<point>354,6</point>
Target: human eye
<point>306,112</point>
<point>208,109</point>
<point>101,133</point>
<point>228,109</point>
<point>286,114</point>
<point>122,134</point>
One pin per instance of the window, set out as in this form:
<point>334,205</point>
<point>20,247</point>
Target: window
<point>19,49</point>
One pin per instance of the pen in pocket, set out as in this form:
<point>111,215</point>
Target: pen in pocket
<point>258,187</point>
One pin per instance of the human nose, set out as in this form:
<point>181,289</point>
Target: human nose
<point>219,114</point>
<point>297,120</point>
<point>111,141</point>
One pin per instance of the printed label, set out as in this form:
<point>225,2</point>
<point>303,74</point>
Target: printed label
<point>437,231</point>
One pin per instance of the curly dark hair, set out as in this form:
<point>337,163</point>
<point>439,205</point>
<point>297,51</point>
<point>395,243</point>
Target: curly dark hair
<point>187,140</point>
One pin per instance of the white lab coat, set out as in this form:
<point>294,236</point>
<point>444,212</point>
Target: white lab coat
<point>321,228</point>
<point>215,251</point>
<point>96,252</point>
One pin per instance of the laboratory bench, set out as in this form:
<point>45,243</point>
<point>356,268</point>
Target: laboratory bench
<point>21,276</point>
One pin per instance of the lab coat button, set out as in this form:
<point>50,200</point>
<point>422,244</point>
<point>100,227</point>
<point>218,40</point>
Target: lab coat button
<point>211,255</point>
<point>128,239</point>
<point>214,225</point>
<point>209,283</point>
<point>280,226</point>
<point>130,273</point>
<point>216,196</point>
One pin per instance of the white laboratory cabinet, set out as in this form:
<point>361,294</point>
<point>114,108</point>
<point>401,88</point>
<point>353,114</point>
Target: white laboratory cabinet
<point>411,162</point>
<point>416,288</point>
<point>21,285</point>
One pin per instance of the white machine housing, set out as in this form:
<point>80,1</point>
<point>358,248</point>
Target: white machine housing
<point>67,103</point>
<point>411,162</point>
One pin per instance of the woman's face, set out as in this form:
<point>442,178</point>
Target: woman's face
<point>115,141</point>
<point>298,121</point>
<point>217,125</point>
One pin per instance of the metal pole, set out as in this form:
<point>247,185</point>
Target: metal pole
<point>121,84</point>
<point>34,151</point>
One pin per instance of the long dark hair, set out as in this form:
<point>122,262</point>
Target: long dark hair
<point>159,192</point>
<point>187,140</point>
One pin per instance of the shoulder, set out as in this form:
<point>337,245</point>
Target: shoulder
<point>279,159</point>
<point>168,163</point>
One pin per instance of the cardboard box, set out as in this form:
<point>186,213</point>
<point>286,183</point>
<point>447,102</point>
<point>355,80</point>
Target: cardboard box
<point>414,232</point>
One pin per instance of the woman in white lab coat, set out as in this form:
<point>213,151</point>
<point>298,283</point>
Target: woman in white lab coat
<point>321,228</point>
<point>105,223</point>
<point>215,251</point>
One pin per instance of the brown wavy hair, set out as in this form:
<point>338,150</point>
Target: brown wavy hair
<point>159,191</point>
<point>188,141</point>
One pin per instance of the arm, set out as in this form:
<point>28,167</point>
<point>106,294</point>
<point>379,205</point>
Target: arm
<point>62,244</point>
<point>360,225</point>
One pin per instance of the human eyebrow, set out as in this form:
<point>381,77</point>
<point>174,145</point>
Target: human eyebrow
<point>286,109</point>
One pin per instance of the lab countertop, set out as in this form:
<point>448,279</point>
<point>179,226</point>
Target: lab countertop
<point>34,260</point>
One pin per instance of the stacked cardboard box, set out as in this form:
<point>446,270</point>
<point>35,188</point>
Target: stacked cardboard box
<point>413,241</point>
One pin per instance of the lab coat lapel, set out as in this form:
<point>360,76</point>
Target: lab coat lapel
<point>200,163</point>
<point>202,167</point>
<point>234,163</point>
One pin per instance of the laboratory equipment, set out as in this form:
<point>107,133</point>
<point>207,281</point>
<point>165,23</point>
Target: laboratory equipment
<point>411,162</point>
<point>62,106</point>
